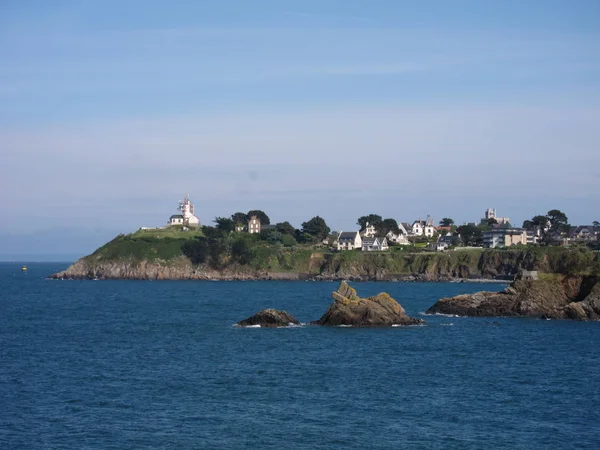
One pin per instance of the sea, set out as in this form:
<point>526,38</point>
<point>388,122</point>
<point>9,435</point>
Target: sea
<point>160,364</point>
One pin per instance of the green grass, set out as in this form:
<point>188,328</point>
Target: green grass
<point>174,232</point>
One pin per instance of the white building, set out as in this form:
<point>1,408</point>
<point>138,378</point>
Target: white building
<point>349,240</point>
<point>423,227</point>
<point>176,219</point>
<point>504,237</point>
<point>254,225</point>
<point>369,230</point>
<point>187,217</point>
<point>400,239</point>
<point>370,244</point>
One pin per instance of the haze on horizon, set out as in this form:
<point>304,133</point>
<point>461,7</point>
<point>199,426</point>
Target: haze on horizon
<point>110,113</point>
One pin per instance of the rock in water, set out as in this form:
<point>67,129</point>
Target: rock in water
<point>270,318</point>
<point>378,311</point>
<point>574,297</point>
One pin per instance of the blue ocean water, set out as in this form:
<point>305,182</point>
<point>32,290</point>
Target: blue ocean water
<point>129,365</point>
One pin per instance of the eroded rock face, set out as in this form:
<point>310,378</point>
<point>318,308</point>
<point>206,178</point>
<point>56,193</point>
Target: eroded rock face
<point>349,309</point>
<point>588,308</point>
<point>269,318</point>
<point>568,297</point>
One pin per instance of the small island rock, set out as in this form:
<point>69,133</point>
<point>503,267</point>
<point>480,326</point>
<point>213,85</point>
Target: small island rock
<point>349,309</point>
<point>269,318</point>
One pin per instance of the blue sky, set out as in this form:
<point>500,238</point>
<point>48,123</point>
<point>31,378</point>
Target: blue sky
<point>111,111</point>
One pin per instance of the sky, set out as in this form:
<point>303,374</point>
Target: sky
<point>112,111</point>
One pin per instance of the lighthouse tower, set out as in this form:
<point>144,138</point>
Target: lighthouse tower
<point>187,211</point>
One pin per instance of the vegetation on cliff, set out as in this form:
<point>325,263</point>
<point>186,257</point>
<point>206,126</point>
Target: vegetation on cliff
<point>214,250</point>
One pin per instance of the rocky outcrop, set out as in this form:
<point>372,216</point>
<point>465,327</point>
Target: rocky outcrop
<point>586,309</point>
<point>269,318</point>
<point>179,269</point>
<point>564,297</point>
<point>349,309</point>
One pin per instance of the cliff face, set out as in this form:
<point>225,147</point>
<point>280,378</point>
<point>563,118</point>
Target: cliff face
<point>110,262</point>
<point>180,269</point>
<point>574,297</point>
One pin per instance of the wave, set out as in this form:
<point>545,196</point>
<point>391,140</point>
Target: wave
<point>443,315</point>
<point>290,325</point>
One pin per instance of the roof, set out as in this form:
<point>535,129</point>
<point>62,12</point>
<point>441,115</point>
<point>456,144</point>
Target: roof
<point>406,225</point>
<point>176,216</point>
<point>369,241</point>
<point>347,235</point>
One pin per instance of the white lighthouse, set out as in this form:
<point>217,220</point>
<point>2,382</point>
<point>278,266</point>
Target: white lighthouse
<point>187,217</point>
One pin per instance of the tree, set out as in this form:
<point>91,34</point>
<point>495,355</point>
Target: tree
<point>286,228</point>
<point>264,219</point>
<point>272,235</point>
<point>528,225</point>
<point>225,224</point>
<point>288,240</point>
<point>559,221</point>
<point>239,217</point>
<point>241,251</point>
<point>539,222</point>
<point>470,235</point>
<point>386,226</point>
<point>196,250</point>
<point>596,224</point>
<point>372,219</point>
<point>316,227</point>
<point>446,222</point>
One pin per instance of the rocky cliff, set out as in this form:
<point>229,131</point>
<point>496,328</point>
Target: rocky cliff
<point>143,258</point>
<point>561,297</point>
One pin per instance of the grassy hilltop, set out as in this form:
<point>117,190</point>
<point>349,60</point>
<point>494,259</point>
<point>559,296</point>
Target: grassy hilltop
<point>210,251</point>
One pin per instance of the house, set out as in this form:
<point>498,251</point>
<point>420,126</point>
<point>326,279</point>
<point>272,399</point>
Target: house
<point>417,228</point>
<point>176,219</point>
<point>402,226</point>
<point>423,227</point>
<point>504,237</point>
<point>439,246</point>
<point>369,230</point>
<point>349,240</point>
<point>240,227</point>
<point>370,244</point>
<point>400,239</point>
<point>583,233</point>
<point>254,225</point>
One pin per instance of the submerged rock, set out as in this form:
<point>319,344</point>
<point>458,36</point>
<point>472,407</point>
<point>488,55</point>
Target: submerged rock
<point>270,318</point>
<point>574,297</point>
<point>349,309</point>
